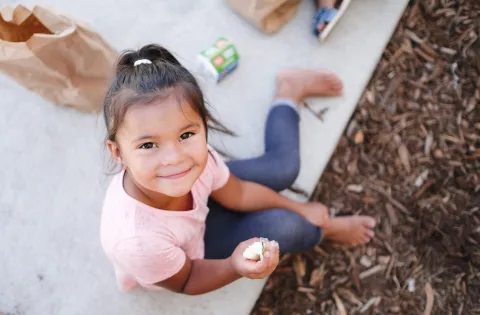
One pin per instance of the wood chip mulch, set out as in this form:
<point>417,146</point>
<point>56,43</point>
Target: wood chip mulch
<point>410,157</point>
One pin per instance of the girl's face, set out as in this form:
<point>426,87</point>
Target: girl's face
<point>163,146</point>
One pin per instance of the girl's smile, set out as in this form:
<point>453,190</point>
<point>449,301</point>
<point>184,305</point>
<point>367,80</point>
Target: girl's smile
<point>176,175</point>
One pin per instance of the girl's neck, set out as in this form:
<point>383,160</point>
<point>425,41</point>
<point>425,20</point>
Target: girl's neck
<point>154,199</point>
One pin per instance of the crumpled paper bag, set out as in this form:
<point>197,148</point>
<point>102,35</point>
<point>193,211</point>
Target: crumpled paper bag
<point>267,15</point>
<point>60,58</point>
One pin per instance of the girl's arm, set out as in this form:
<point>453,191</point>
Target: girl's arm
<point>201,276</point>
<point>205,275</point>
<point>244,196</point>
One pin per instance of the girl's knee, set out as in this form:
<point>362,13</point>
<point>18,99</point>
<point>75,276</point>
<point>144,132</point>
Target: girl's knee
<point>292,169</point>
<point>287,170</point>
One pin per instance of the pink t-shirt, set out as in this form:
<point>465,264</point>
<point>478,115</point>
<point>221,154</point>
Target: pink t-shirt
<point>147,245</point>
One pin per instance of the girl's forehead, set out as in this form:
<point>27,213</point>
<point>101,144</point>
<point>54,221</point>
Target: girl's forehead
<point>166,115</point>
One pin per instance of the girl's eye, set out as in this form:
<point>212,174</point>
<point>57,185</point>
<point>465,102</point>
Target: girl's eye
<point>186,135</point>
<point>148,145</point>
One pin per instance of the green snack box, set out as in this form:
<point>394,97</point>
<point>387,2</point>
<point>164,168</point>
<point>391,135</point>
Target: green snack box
<point>219,60</point>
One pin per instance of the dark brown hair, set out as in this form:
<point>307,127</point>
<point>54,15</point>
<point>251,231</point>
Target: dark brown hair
<point>145,83</point>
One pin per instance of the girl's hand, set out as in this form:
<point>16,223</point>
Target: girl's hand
<point>255,269</point>
<point>316,213</point>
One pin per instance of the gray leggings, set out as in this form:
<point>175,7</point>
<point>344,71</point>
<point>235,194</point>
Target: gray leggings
<point>277,168</point>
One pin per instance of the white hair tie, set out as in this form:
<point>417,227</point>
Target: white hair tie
<point>141,61</point>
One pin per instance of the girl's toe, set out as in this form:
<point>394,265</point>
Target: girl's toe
<point>370,233</point>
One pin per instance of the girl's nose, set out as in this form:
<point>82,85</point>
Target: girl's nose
<point>170,155</point>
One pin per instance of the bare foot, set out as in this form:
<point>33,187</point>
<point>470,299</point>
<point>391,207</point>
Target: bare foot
<point>350,230</point>
<point>298,84</point>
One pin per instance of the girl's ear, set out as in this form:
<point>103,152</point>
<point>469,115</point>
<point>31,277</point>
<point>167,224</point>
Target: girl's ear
<point>114,150</point>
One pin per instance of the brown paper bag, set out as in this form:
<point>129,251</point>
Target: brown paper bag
<point>59,58</point>
<point>267,15</point>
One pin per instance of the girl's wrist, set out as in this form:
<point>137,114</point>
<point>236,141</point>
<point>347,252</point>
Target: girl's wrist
<point>231,266</point>
<point>298,208</point>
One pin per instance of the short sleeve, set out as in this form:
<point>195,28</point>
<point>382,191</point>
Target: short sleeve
<point>218,168</point>
<point>149,259</point>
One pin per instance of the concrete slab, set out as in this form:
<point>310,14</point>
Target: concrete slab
<point>53,163</point>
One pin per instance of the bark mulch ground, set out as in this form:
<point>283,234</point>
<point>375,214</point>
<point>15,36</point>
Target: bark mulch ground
<point>410,156</point>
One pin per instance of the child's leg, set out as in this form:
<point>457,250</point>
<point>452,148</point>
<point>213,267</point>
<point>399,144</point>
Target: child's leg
<point>277,169</point>
<point>226,229</point>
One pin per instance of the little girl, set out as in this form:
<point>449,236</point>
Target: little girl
<point>177,216</point>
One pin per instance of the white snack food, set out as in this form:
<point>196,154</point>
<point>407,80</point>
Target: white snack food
<point>256,250</point>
